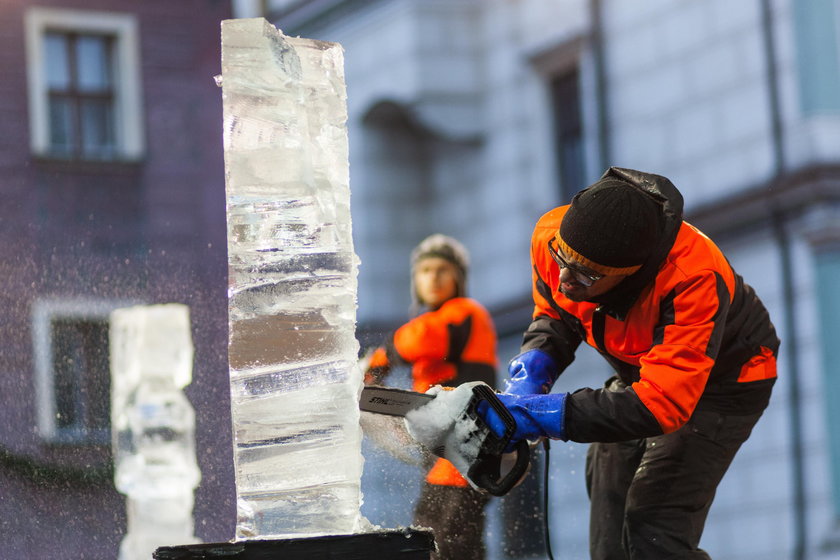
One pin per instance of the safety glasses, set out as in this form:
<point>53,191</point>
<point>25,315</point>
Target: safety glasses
<point>585,278</point>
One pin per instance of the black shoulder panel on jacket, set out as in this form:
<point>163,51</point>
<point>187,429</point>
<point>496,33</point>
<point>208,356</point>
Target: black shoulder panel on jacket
<point>719,319</point>
<point>667,316</point>
<point>747,329</point>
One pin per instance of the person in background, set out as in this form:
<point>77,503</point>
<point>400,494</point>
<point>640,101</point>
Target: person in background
<point>692,348</point>
<point>452,342</point>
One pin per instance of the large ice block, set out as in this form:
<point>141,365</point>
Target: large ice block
<point>153,425</point>
<point>292,285</point>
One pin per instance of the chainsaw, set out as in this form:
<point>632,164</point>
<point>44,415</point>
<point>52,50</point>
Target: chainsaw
<point>446,423</point>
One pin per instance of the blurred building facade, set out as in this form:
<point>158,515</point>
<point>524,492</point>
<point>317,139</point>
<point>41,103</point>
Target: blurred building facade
<point>112,181</point>
<point>474,117</point>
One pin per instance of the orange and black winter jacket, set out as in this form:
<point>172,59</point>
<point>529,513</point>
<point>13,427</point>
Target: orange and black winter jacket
<point>451,345</point>
<point>684,332</point>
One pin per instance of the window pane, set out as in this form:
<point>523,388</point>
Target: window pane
<point>567,103</point>
<point>61,126</point>
<point>55,52</point>
<point>568,132</point>
<point>818,72</point>
<point>96,385</point>
<point>97,129</point>
<point>81,377</point>
<point>67,361</point>
<point>93,62</point>
<point>571,164</point>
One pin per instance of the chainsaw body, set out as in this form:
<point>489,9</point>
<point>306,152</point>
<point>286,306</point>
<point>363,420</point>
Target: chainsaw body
<point>447,423</point>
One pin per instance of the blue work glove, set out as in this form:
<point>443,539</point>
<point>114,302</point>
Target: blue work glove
<point>536,416</point>
<point>531,373</point>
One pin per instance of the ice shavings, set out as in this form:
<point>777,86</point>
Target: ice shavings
<point>391,435</point>
<point>445,427</point>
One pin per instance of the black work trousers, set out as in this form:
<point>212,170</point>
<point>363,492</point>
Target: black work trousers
<point>650,497</point>
<point>456,516</point>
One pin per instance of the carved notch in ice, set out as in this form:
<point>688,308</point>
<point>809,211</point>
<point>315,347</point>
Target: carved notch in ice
<point>292,285</point>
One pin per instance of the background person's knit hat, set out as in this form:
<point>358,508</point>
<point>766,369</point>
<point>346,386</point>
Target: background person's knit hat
<point>444,247</point>
<point>611,227</point>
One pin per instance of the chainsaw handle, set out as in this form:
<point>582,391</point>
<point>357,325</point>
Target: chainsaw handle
<point>514,475</point>
<point>485,472</point>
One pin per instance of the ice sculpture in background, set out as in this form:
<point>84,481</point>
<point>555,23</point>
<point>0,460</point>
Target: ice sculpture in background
<point>292,285</point>
<point>153,425</point>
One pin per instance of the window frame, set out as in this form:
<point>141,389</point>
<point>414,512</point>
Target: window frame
<point>128,129</point>
<point>43,314</point>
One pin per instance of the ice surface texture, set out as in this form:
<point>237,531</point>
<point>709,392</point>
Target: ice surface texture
<point>292,285</point>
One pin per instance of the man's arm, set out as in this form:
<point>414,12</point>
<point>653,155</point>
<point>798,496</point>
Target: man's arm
<point>673,372</point>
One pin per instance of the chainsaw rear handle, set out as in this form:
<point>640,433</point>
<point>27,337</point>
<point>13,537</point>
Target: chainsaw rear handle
<point>486,471</point>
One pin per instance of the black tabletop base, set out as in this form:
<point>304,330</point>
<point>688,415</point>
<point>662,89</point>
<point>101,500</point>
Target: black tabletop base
<point>403,544</point>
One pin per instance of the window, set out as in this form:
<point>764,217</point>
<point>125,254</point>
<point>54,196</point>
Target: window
<point>818,56</point>
<point>73,379</point>
<point>83,70</point>
<point>568,132</point>
<point>80,95</point>
<point>80,369</point>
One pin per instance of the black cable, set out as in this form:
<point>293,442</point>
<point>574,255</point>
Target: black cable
<point>546,446</point>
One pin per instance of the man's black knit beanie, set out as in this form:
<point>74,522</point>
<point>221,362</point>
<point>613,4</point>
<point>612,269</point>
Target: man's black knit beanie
<point>611,227</point>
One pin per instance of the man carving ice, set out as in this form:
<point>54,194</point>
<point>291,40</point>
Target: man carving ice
<point>692,348</point>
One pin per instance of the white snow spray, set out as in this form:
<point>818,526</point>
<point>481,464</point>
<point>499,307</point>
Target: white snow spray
<point>444,427</point>
<point>292,285</point>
